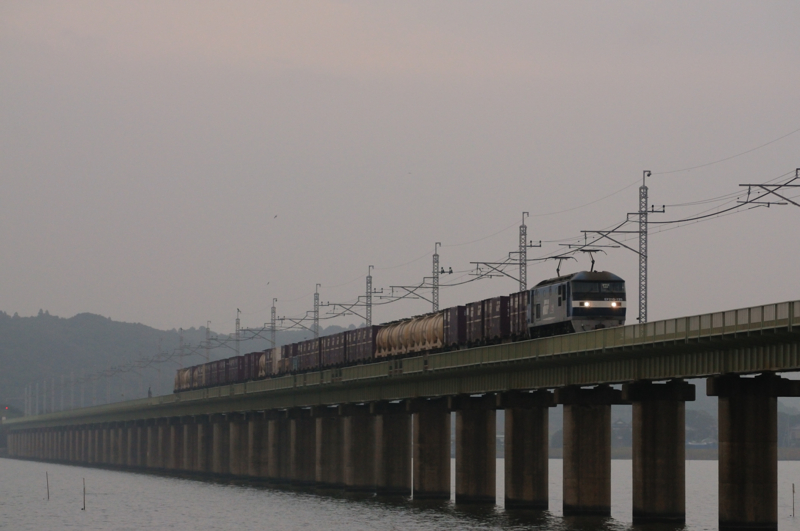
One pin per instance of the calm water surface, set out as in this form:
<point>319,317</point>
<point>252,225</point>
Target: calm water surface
<point>131,501</point>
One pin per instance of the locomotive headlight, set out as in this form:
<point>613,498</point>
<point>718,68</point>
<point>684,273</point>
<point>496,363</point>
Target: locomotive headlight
<point>613,304</point>
<point>586,304</point>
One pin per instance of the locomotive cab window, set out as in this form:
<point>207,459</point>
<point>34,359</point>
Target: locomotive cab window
<point>612,287</point>
<point>586,287</point>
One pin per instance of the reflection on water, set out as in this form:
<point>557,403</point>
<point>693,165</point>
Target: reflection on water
<point>134,501</point>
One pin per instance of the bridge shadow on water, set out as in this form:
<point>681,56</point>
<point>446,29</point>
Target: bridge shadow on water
<point>469,516</point>
<point>440,513</point>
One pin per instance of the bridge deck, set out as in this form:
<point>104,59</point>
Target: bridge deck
<point>748,340</point>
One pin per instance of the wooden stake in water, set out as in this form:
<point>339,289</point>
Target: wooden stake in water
<point>792,500</point>
<point>84,494</point>
<point>47,480</point>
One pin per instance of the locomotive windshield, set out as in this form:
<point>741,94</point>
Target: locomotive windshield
<point>598,287</point>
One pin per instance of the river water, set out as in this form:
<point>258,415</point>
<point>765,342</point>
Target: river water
<point>134,501</point>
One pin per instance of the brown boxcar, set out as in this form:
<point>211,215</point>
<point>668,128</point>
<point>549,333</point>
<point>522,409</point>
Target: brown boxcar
<point>455,326</point>
<point>334,349</point>
<point>219,371</point>
<point>518,314</point>
<point>474,315</point>
<point>495,319</point>
<point>234,370</point>
<point>361,343</point>
<point>251,365</point>
<point>308,354</point>
<point>286,361</point>
<point>214,372</point>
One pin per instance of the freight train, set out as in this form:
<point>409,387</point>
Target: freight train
<point>572,303</point>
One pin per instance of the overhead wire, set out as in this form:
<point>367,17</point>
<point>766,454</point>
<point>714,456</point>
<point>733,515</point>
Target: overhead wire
<point>726,158</point>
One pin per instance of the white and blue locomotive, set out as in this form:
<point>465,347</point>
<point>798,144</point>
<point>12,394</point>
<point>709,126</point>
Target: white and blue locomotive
<point>587,300</point>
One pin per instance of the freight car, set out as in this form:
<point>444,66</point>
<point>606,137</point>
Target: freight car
<point>578,302</point>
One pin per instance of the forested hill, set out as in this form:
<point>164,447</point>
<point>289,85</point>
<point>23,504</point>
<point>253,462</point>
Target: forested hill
<point>46,347</point>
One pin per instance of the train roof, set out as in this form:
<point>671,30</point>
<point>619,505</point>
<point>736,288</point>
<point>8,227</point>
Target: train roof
<point>587,276</point>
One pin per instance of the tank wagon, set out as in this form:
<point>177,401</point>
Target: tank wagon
<point>578,302</point>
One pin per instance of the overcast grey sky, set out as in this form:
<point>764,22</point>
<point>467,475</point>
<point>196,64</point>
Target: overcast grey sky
<point>170,162</point>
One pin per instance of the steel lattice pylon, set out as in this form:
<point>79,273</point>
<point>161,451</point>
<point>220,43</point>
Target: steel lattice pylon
<point>272,323</point>
<point>643,251</point>
<point>435,280</point>
<point>369,297</point>
<point>523,255</point>
<point>316,312</point>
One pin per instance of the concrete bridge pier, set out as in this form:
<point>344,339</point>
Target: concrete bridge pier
<point>68,442</point>
<point>163,442</point>
<point>278,438</point>
<point>587,448</point>
<point>392,448</point>
<point>78,441</point>
<point>328,448</point>
<point>69,436</point>
<point>97,441</point>
<point>302,447</point>
<point>659,449</point>
<point>81,440</point>
<point>220,445</point>
<point>748,448</point>
<point>205,443</point>
<point>91,444</point>
<point>122,445</point>
<point>189,442</point>
<point>174,459</point>
<point>476,448</point>
<point>75,433</point>
<point>112,447</point>
<point>526,449</point>
<point>151,444</point>
<point>64,442</point>
<point>238,444</point>
<point>86,446</point>
<point>358,452</point>
<point>431,424</point>
<point>98,444</point>
<point>131,433</point>
<point>105,445</point>
<point>257,448</point>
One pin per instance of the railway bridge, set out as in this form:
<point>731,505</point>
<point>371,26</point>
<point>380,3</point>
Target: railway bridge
<point>358,427</point>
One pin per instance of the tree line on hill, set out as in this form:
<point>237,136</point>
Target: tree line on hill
<point>48,350</point>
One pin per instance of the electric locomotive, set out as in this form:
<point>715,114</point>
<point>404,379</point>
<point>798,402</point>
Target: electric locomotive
<point>588,300</point>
